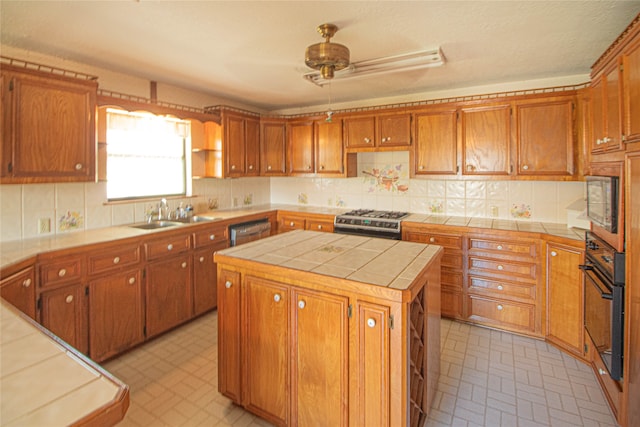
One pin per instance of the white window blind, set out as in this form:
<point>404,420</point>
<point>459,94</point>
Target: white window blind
<point>146,155</point>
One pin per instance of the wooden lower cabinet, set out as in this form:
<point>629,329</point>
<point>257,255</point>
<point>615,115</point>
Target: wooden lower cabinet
<point>19,289</point>
<point>205,279</point>
<point>116,315</point>
<point>64,312</point>
<point>565,297</point>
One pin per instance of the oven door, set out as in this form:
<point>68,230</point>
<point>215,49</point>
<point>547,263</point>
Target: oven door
<point>603,318</point>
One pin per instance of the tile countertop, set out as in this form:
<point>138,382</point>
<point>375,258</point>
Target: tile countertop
<point>390,263</point>
<point>15,251</point>
<point>44,383</point>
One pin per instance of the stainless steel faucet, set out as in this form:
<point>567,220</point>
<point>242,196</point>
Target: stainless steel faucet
<point>163,210</point>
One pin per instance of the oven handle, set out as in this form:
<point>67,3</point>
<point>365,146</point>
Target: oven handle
<point>606,292</point>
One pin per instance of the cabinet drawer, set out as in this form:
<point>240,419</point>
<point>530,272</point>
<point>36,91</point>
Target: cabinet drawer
<point>501,313</point>
<point>508,269</point>
<point>320,225</point>
<point>165,247</point>
<point>210,236</point>
<point>291,223</point>
<point>114,258</point>
<point>61,271</point>
<point>504,248</point>
<point>525,292</point>
<point>445,240</point>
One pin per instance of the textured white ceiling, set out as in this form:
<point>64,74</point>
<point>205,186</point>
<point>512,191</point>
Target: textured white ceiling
<point>253,51</point>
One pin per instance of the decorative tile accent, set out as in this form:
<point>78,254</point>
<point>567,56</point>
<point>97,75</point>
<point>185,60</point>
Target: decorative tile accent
<point>436,207</point>
<point>303,199</point>
<point>386,179</point>
<point>521,211</point>
<point>248,199</point>
<point>72,220</point>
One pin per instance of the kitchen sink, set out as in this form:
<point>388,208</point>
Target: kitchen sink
<point>195,219</point>
<point>155,225</point>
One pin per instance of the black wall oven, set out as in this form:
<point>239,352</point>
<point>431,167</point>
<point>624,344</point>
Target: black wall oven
<point>604,301</point>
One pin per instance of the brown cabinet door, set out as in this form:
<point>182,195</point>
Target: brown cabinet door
<point>116,313</point>
<point>394,130</point>
<point>301,153</point>
<point>320,386</point>
<point>436,148</point>
<point>64,312</point>
<point>53,129</point>
<point>266,335</point>
<point>168,294</point>
<point>205,278</point>
<point>360,132</point>
<point>328,148</point>
<point>273,151</point>
<point>373,364</point>
<point>598,124</point>
<point>229,363</point>
<point>544,135</point>
<point>613,114</point>
<point>235,145</point>
<point>565,316</point>
<point>631,92</point>
<point>20,291</point>
<point>486,136</point>
<point>252,147</point>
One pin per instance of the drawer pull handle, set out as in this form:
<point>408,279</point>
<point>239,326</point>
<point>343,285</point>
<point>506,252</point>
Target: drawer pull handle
<point>554,253</point>
<point>371,322</point>
<point>212,236</point>
<point>69,299</point>
<point>62,272</point>
<point>201,259</point>
<point>319,226</point>
<point>432,240</point>
<point>184,264</point>
<point>132,280</point>
<point>276,297</point>
<point>500,287</point>
<point>116,260</point>
<point>169,247</point>
<point>228,284</point>
<point>500,268</point>
<point>301,304</point>
<point>499,307</point>
<point>291,224</point>
<point>26,283</point>
<point>499,247</point>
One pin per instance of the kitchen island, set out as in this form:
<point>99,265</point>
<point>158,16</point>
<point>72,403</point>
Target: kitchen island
<point>328,329</point>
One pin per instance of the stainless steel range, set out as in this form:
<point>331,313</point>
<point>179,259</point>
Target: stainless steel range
<point>371,223</point>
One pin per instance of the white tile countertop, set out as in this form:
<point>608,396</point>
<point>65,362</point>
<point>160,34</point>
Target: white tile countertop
<point>45,383</point>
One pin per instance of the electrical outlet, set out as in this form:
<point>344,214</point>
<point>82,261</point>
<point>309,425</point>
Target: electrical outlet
<point>44,225</point>
<point>494,211</point>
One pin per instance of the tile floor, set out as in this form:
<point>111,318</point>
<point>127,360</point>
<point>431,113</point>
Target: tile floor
<point>489,378</point>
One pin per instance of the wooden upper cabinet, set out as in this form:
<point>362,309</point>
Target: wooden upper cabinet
<point>394,130</point>
<point>436,147</point>
<point>252,147</point>
<point>300,144</point>
<point>606,114</point>
<point>360,132</point>
<point>328,147</point>
<point>385,130</point>
<point>234,131</point>
<point>273,149</point>
<point>486,140</point>
<point>48,127</point>
<point>545,137</point>
<point>631,91</point>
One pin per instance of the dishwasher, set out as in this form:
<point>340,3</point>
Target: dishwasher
<point>245,232</point>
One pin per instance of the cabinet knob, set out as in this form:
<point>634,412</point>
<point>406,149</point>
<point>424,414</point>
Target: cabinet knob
<point>499,307</point>
<point>500,287</point>
<point>554,253</point>
<point>116,260</point>
<point>69,299</point>
<point>291,224</point>
<point>201,259</point>
<point>212,236</point>
<point>500,267</point>
<point>228,284</point>
<point>169,247</point>
<point>132,280</point>
<point>78,166</point>
<point>301,304</point>
<point>371,322</point>
<point>367,140</point>
<point>387,139</point>
<point>421,167</point>
<point>470,167</point>
<point>62,272</point>
<point>26,283</point>
<point>319,226</point>
<point>321,167</point>
<point>499,247</point>
<point>184,264</point>
<point>525,167</point>
<point>269,167</point>
<point>606,140</point>
<point>432,239</point>
<point>602,371</point>
<point>233,167</point>
<point>250,167</point>
<point>277,297</point>
<point>308,167</point>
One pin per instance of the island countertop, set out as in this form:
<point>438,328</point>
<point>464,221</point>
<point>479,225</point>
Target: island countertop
<point>391,264</point>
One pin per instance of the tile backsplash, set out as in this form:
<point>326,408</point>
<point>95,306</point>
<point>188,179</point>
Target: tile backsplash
<point>383,182</point>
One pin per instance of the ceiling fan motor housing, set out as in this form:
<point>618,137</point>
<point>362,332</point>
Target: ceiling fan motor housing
<point>327,57</point>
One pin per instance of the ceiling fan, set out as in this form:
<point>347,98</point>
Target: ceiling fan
<point>332,60</point>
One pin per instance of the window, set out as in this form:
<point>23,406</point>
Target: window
<point>146,155</point>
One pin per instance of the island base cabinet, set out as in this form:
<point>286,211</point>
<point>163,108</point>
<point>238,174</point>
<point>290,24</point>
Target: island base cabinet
<point>64,312</point>
<point>116,314</point>
<point>229,334</point>
<point>204,279</point>
<point>19,290</point>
